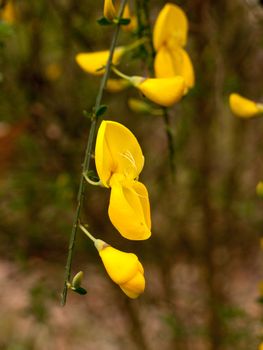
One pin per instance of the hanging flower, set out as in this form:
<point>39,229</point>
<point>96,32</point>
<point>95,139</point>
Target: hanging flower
<point>119,161</point>
<point>163,91</point>
<point>123,268</point>
<point>243,107</point>
<point>93,62</point>
<point>169,38</point>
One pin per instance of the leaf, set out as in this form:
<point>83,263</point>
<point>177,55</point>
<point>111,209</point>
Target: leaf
<point>103,21</point>
<point>124,21</point>
<point>101,110</point>
<point>79,290</point>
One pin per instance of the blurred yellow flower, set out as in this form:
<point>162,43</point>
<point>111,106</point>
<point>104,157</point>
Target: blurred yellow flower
<point>117,85</point>
<point>123,268</point>
<point>243,107</point>
<point>53,71</point>
<point>119,161</point>
<point>169,38</point>
<point>163,91</point>
<point>8,13</point>
<point>93,62</point>
<point>260,346</point>
<point>111,9</point>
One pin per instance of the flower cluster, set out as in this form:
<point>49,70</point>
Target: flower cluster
<point>174,73</point>
<point>118,156</point>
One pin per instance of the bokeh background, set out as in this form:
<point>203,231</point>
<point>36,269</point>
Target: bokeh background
<point>203,262</point>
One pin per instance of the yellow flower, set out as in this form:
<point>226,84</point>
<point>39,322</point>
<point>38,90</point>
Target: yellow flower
<point>129,208</point>
<point>171,25</point>
<point>172,62</point>
<point>117,151</point>
<point>123,268</point>
<point>169,38</point>
<point>163,91</point>
<point>111,9</point>
<point>117,85</point>
<point>243,107</point>
<point>8,13</point>
<point>119,161</point>
<point>92,62</point>
<point>260,346</point>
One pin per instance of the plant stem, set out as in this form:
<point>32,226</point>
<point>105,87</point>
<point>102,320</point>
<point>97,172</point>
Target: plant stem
<point>144,30</point>
<point>87,159</point>
<point>87,233</point>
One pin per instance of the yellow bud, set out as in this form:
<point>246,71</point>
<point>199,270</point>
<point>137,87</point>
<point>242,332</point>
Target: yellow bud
<point>53,71</point>
<point>8,13</point>
<point>123,268</point>
<point>243,107</point>
<point>139,106</point>
<point>109,10</point>
<point>163,91</point>
<point>117,85</point>
<point>259,189</point>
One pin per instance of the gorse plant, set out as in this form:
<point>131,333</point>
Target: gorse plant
<point>118,156</point>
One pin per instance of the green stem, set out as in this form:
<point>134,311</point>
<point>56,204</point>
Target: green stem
<point>87,159</point>
<point>87,233</point>
<point>144,30</point>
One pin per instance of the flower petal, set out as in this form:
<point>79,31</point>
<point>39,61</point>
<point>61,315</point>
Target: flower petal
<point>109,10</point>
<point>163,91</point>
<point>243,107</point>
<point>91,62</point>
<point>172,62</point>
<point>120,266</point>
<point>129,209</point>
<point>117,151</point>
<point>171,24</point>
<point>134,287</point>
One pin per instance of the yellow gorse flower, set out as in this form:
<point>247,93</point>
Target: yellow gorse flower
<point>119,161</point>
<point>111,9</point>
<point>123,268</point>
<point>93,62</point>
<point>163,91</point>
<point>243,107</point>
<point>8,13</point>
<point>169,38</point>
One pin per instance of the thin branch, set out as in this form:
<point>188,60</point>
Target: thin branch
<point>87,159</point>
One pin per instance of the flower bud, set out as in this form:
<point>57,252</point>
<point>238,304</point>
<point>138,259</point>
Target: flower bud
<point>123,268</point>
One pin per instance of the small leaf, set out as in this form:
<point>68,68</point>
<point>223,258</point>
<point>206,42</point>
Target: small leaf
<point>123,21</point>
<point>101,110</point>
<point>93,175</point>
<point>77,279</point>
<point>80,290</point>
<point>103,21</point>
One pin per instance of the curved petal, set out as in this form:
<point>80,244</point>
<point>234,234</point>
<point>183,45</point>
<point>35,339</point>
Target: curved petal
<point>129,209</point>
<point>243,107</point>
<point>117,151</point>
<point>120,266</point>
<point>171,24</point>
<point>135,286</point>
<point>109,10</point>
<point>91,62</point>
<point>169,63</point>
<point>163,91</point>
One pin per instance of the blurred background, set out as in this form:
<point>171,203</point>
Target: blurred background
<point>203,262</point>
